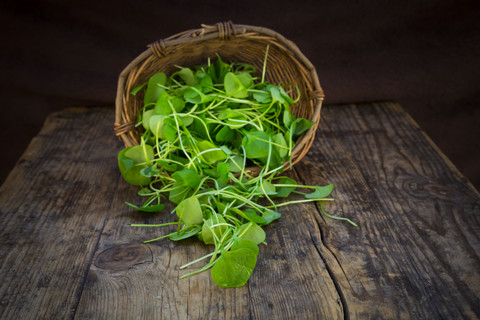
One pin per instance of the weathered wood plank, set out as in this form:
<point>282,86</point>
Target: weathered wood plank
<point>289,282</point>
<point>52,209</point>
<point>416,251</point>
<point>68,249</point>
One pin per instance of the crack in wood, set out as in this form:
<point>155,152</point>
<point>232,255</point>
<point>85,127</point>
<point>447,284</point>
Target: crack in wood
<point>343,301</point>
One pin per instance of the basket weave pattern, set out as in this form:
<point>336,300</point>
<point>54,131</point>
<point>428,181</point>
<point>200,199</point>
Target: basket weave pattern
<point>286,66</point>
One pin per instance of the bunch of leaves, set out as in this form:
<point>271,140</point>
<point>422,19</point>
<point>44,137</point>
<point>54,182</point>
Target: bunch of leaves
<point>204,127</point>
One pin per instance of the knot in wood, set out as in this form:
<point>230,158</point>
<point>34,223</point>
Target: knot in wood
<point>123,256</point>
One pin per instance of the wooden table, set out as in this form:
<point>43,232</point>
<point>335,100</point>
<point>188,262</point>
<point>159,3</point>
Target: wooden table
<point>68,250</point>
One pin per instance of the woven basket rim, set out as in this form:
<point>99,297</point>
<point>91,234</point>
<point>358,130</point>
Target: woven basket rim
<point>227,31</point>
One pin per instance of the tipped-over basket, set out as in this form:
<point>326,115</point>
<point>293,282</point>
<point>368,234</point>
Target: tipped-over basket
<point>286,66</point>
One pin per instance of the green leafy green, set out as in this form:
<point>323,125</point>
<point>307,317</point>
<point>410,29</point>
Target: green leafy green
<point>213,229</point>
<point>155,87</point>
<point>300,126</point>
<point>152,208</point>
<point>234,86</point>
<point>251,231</point>
<point>189,211</point>
<point>186,74</point>
<point>215,140</point>
<point>184,233</point>
<point>234,267</point>
<point>320,192</point>
<point>167,104</point>
<point>210,153</point>
<point>187,177</point>
<point>132,160</point>
<point>256,144</point>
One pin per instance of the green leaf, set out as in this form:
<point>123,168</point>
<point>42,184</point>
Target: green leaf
<point>288,118</point>
<point>281,148</point>
<point>170,129</point>
<point>221,70</point>
<point>234,87</point>
<point>226,149</point>
<point>189,211</point>
<point>167,165</point>
<point>156,123</point>
<point>320,192</point>
<point>205,81</point>
<point>161,105</point>
<point>184,233</point>
<point>143,192</point>
<point>149,171</point>
<point>199,127</point>
<point>210,228</point>
<point>285,96</point>
<point>178,193</point>
<point>180,159</point>
<point>195,96</point>
<point>275,160</point>
<point>221,207</point>
<point>231,116</point>
<point>222,170</point>
<point>256,144</point>
<point>276,95</point>
<point>212,153</point>
<point>244,243</point>
<point>251,231</point>
<point>234,268</point>
<point>154,91</point>
<point>153,208</point>
<point>139,154</point>
<point>266,188</point>
<point>284,192</point>
<point>262,97</point>
<point>225,135</point>
<point>301,125</point>
<point>186,74</point>
<point>178,103</point>
<point>270,215</point>
<point>250,215</point>
<point>246,79</point>
<point>136,89</point>
<point>186,120</point>
<point>166,102</point>
<point>235,163</point>
<point>146,118</point>
<point>131,173</point>
<point>187,177</point>
<point>170,133</point>
<point>131,161</point>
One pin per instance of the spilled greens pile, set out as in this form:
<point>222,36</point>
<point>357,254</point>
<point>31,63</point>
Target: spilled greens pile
<point>205,126</point>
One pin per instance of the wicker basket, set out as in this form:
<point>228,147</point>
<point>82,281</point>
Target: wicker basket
<point>286,66</point>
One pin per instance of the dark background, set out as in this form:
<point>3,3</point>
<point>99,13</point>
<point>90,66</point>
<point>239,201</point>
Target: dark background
<point>422,54</point>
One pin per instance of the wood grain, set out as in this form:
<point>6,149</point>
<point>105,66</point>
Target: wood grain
<point>416,252</point>
<point>290,279</point>
<point>68,250</point>
<point>53,207</point>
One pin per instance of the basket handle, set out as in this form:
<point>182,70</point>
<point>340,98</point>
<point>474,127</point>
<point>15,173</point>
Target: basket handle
<point>222,30</point>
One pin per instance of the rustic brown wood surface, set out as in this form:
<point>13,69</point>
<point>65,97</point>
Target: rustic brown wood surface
<point>68,250</point>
